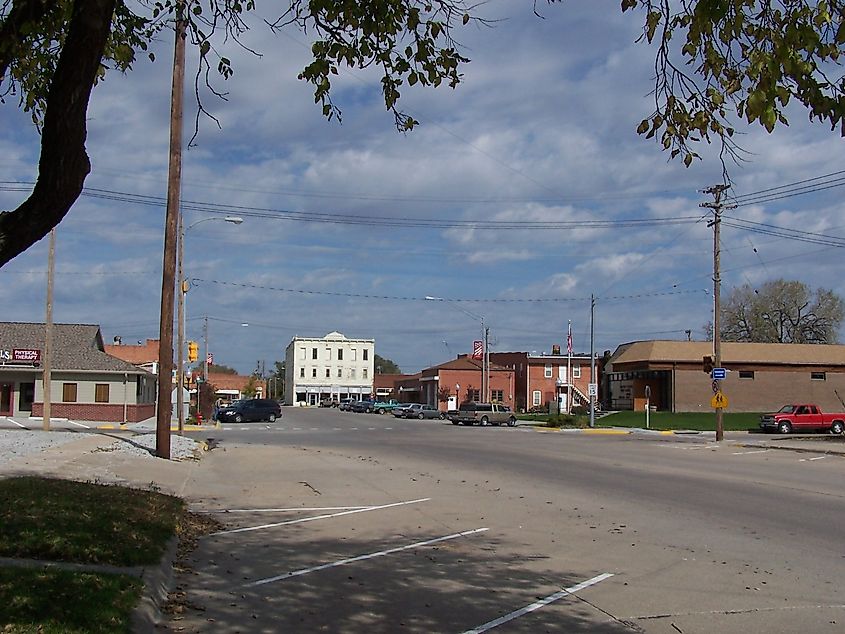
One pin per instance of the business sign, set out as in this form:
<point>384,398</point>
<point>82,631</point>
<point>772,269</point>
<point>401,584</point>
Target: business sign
<point>29,356</point>
<point>719,374</point>
<point>477,349</point>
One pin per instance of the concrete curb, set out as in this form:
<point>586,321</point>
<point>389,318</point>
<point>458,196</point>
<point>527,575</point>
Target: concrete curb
<point>158,580</point>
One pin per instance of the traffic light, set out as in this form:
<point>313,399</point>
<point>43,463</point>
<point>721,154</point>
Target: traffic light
<point>707,364</point>
<point>193,351</point>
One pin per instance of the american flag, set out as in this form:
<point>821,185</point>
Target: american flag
<point>569,340</point>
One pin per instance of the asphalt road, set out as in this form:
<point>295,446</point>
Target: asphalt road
<point>342,522</point>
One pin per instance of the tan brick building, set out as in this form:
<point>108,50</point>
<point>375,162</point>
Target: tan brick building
<point>761,376</point>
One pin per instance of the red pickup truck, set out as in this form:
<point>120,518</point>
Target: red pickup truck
<point>802,417</point>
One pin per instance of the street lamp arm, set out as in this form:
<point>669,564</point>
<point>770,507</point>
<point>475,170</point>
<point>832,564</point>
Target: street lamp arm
<point>235,220</point>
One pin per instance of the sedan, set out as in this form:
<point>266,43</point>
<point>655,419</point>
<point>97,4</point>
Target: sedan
<point>417,410</point>
<point>399,410</point>
<point>362,406</point>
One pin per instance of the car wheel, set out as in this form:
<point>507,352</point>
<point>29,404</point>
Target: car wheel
<point>454,422</point>
<point>484,420</point>
<point>420,416</point>
<point>381,410</point>
<point>784,427</point>
<point>837,427</point>
<point>442,416</point>
<point>272,418</point>
<point>511,421</point>
<point>239,418</point>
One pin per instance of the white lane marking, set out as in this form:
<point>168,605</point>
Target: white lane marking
<point>297,429</point>
<point>284,510</point>
<point>314,428</point>
<point>13,421</point>
<point>388,429</point>
<point>354,428</point>
<point>371,428</point>
<point>337,429</point>
<point>745,453</point>
<point>319,517</point>
<point>812,459</point>
<point>381,553</point>
<point>78,424</point>
<point>539,604</point>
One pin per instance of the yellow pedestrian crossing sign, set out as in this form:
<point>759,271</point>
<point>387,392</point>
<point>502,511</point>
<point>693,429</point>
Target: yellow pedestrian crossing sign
<point>719,401</point>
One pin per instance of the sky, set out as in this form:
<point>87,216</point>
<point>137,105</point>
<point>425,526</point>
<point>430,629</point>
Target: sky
<point>541,129</point>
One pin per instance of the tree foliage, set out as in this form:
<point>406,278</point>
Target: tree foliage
<point>748,58</point>
<point>52,52</point>
<point>219,368</point>
<point>782,311</point>
<point>715,60</point>
<point>385,366</point>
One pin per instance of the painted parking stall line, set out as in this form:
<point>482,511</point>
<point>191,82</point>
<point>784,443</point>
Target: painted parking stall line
<point>539,604</point>
<point>381,553</point>
<point>14,422</point>
<point>318,517</point>
<point>291,509</point>
<point>745,453</point>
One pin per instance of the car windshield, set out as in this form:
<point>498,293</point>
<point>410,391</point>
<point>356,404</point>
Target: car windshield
<point>786,409</point>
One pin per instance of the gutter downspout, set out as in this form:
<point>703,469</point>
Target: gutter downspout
<point>125,394</point>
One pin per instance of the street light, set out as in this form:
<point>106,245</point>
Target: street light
<point>183,290</point>
<point>485,361</point>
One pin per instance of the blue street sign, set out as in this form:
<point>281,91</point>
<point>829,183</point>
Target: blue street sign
<point>719,374</point>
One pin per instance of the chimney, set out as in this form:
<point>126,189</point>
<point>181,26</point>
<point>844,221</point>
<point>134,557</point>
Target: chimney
<point>117,340</point>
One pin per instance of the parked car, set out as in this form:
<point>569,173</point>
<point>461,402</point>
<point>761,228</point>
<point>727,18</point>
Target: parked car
<point>484,414</point>
<point>420,411</point>
<point>362,406</point>
<point>329,402</point>
<point>399,410</point>
<point>251,409</point>
<point>345,404</point>
<point>799,417</point>
<point>381,407</point>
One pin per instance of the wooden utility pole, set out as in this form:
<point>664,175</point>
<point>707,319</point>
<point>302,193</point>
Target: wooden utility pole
<point>717,206</point>
<point>47,379</point>
<point>168,283</point>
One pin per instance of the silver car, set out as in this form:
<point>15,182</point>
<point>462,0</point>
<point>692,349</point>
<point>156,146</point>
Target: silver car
<point>420,411</point>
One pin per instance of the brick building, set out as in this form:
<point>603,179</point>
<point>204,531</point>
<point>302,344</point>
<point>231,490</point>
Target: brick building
<point>86,382</point>
<point>761,376</point>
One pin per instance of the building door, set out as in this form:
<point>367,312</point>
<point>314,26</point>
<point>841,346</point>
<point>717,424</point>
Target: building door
<point>26,396</point>
<point>6,391</point>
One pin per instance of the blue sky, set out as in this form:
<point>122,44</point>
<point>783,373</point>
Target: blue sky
<point>542,129</point>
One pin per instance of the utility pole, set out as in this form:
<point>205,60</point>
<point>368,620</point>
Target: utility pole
<point>47,379</point>
<point>171,225</point>
<point>205,357</point>
<point>593,380</point>
<point>718,207</point>
<point>485,364</point>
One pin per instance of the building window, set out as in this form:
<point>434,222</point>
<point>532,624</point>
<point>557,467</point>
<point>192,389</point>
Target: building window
<point>497,396</point>
<point>301,373</point>
<point>351,373</point>
<point>746,374</point>
<point>340,354</point>
<point>474,395</point>
<point>328,354</point>
<point>818,376</point>
<point>576,371</point>
<point>302,353</point>
<point>69,392</point>
<point>365,354</point>
<point>101,393</point>
<point>314,353</point>
<point>354,354</point>
<point>313,373</point>
<point>365,372</point>
<point>536,397</point>
<point>547,372</point>
<point>339,373</point>
<point>328,373</point>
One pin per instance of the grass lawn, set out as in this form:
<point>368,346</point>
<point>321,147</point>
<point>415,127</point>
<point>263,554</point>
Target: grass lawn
<point>698,421</point>
<point>67,521</point>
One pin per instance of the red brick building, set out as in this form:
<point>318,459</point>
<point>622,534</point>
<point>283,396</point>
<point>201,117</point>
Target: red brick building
<point>545,379</point>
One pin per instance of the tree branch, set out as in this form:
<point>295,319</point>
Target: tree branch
<point>63,164</point>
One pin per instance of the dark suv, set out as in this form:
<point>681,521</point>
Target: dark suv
<point>251,409</point>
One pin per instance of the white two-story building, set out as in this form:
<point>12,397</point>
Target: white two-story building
<point>328,367</point>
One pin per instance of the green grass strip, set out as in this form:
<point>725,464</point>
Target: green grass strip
<point>53,601</point>
<point>64,520</point>
<point>695,421</point>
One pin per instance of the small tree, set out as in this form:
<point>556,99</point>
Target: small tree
<point>205,400</point>
<point>251,387</point>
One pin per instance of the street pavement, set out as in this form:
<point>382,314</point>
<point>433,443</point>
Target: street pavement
<point>226,585</point>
